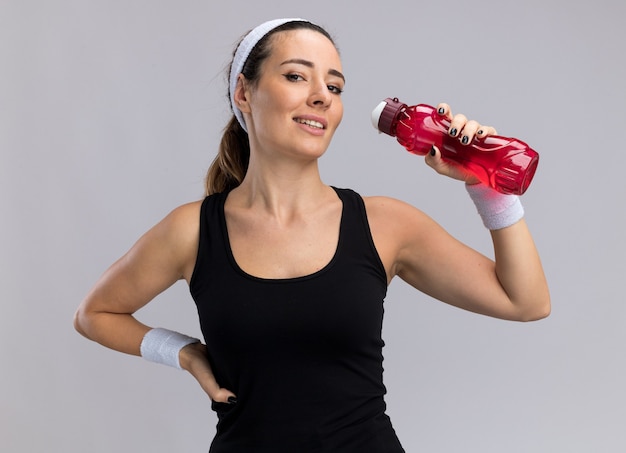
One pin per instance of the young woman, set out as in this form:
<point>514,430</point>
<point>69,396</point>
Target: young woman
<point>289,274</point>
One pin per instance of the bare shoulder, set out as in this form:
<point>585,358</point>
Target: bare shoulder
<point>396,226</point>
<point>380,201</point>
<point>181,227</point>
<point>388,210</point>
<point>184,218</point>
<point>174,239</point>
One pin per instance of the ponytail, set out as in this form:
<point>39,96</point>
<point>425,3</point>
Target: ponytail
<point>231,163</point>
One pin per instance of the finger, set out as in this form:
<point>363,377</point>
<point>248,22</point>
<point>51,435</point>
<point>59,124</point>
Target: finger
<point>469,131</point>
<point>443,109</point>
<point>210,385</point>
<point>485,131</point>
<point>446,168</point>
<point>224,396</point>
<point>457,124</point>
<point>213,390</point>
<point>433,159</point>
<point>197,364</point>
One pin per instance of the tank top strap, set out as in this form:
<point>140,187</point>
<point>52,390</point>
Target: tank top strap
<point>211,241</point>
<point>355,237</point>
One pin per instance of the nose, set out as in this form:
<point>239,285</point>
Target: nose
<point>320,96</point>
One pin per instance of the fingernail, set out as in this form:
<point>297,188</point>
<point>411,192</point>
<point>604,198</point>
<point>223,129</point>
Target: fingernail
<point>465,140</point>
<point>232,400</point>
<point>480,132</point>
<point>433,151</point>
<point>441,110</point>
<point>453,132</point>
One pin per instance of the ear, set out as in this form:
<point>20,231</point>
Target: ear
<point>242,94</point>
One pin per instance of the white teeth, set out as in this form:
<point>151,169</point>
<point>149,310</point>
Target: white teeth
<point>310,123</point>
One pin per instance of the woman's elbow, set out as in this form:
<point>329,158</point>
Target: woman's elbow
<point>541,309</point>
<point>77,323</point>
<point>81,322</point>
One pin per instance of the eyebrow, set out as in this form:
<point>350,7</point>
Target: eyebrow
<point>310,64</point>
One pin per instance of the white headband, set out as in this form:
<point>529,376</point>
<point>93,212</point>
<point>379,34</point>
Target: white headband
<point>241,55</point>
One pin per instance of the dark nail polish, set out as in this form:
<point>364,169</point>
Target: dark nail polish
<point>453,132</point>
<point>433,151</point>
<point>232,400</point>
<point>480,132</point>
<point>465,140</point>
<point>441,110</point>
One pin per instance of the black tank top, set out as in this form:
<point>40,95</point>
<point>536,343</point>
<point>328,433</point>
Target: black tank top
<point>303,355</point>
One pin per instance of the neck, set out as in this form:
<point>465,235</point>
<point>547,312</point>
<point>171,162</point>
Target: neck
<point>282,189</point>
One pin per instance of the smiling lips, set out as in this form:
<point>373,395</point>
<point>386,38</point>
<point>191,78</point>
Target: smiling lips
<point>311,123</point>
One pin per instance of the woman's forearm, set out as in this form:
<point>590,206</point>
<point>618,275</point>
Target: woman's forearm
<point>519,270</point>
<point>118,331</point>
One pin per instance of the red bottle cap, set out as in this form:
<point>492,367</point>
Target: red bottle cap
<point>385,113</point>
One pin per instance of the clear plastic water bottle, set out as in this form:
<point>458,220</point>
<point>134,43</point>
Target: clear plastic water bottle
<point>505,164</point>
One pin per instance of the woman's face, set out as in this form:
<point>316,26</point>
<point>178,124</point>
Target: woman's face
<point>296,105</point>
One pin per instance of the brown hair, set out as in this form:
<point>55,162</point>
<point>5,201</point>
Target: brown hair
<point>231,163</point>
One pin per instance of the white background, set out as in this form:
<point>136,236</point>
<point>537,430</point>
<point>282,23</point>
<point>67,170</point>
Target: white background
<point>111,111</point>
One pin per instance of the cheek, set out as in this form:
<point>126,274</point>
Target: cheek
<point>338,115</point>
<point>269,108</point>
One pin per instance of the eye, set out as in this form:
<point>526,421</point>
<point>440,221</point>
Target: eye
<point>293,77</point>
<point>335,89</point>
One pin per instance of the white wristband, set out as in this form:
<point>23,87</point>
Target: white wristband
<point>497,210</point>
<point>163,346</point>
